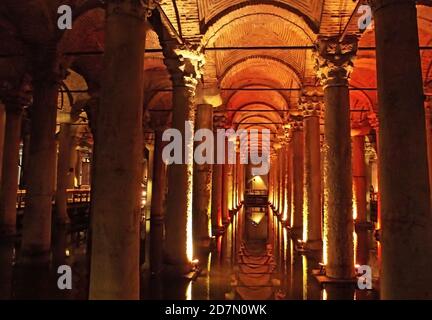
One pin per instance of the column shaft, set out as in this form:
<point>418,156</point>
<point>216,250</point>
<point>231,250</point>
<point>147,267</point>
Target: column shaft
<point>118,154</point>
<point>9,182</point>
<point>404,186</point>
<point>157,206</point>
<point>359,177</point>
<point>312,182</point>
<point>36,233</point>
<point>202,185</point>
<point>298,170</point>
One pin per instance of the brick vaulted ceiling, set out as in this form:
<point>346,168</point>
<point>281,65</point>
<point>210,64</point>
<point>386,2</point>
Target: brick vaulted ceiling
<point>213,24</point>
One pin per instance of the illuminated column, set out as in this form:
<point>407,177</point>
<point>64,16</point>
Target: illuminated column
<point>289,162</point>
<point>9,182</point>
<point>298,170</point>
<point>359,177</point>
<point>334,63</point>
<point>36,233</point>
<point>157,211</point>
<point>217,180</point>
<point>202,184</point>
<point>404,184</point>
<point>117,162</point>
<point>227,191</point>
<point>311,105</point>
<point>185,69</point>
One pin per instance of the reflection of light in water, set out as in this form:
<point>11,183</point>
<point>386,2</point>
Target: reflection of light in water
<point>285,235</point>
<point>189,291</point>
<point>305,280</point>
<point>324,294</point>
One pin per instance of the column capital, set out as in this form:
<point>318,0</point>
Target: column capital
<point>159,121</point>
<point>373,120</point>
<point>334,60</point>
<point>219,121</point>
<point>185,64</point>
<point>16,97</point>
<point>208,95</point>
<point>296,124</point>
<point>141,9</point>
<point>311,102</point>
<point>360,127</point>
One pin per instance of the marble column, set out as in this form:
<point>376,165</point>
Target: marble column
<point>359,177</point>
<point>9,182</point>
<point>117,161</point>
<point>227,191</point>
<point>36,232</point>
<point>185,69</point>
<point>404,183</point>
<point>334,63</point>
<point>202,185</point>
<point>311,105</point>
<point>298,171</point>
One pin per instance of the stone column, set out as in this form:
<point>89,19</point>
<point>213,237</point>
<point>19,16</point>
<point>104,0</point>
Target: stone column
<point>9,182</point>
<point>64,170</point>
<point>359,177</point>
<point>158,200</point>
<point>334,63</point>
<point>185,69</point>
<point>217,189</point>
<point>26,150</point>
<point>117,161</point>
<point>298,171</point>
<point>404,184</point>
<point>36,233</point>
<point>311,105</point>
<point>202,185</point>
<point>227,191</point>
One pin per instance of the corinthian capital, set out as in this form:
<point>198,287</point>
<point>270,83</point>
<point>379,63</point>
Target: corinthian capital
<point>311,102</point>
<point>185,64</point>
<point>141,9</point>
<point>334,60</point>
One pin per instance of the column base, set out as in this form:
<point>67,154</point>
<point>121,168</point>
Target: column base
<point>296,232</point>
<point>323,279</point>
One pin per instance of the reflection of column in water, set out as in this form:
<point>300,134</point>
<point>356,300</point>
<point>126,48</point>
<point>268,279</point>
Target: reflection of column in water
<point>285,273</point>
<point>297,278</point>
<point>7,252</point>
<point>311,289</point>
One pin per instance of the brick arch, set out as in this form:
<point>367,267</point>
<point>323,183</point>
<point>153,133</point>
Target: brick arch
<point>284,10</point>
